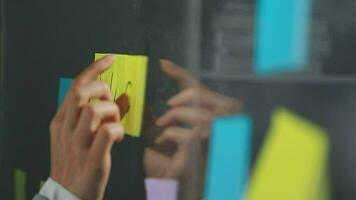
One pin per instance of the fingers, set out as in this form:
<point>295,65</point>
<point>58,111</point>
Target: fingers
<point>193,96</point>
<point>177,73</point>
<point>155,163</point>
<point>204,97</point>
<point>93,71</point>
<point>124,105</point>
<point>92,116</point>
<point>189,115</point>
<point>176,135</point>
<point>85,169</point>
<point>185,140</point>
<point>88,75</point>
<point>200,96</point>
<point>108,134</point>
<point>79,96</point>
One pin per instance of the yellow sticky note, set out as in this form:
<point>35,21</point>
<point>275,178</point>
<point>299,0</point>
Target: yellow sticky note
<point>325,189</point>
<point>20,179</point>
<point>293,160</point>
<point>128,75</point>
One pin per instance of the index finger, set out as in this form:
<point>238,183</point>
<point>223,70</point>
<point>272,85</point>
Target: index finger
<point>183,77</point>
<point>88,75</point>
<point>191,116</point>
<point>96,68</point>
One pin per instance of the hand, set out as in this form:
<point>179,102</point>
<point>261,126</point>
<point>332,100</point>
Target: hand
<point>83,133</point>
<point>172,151</point>
<point>195,105</point>
<point>177,151</point>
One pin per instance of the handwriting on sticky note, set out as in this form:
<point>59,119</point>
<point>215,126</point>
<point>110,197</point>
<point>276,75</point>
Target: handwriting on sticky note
<point>127,75</point>
<point>292,162</point>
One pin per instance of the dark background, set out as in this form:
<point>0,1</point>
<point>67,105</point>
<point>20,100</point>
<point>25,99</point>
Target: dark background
<point>46,40</point>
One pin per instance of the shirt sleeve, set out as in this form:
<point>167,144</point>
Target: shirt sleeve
<point>161,189</point>
<point>157,189</point>
<point>39,197</point>
<point>54,191</point>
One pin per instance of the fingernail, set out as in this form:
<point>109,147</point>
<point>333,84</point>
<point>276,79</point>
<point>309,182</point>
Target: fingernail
<point>163,61</point>
<point>109,58</point>
<point>119,128</point>
<point>158,141</point>
<point>159,122</point>
<point>165,64</point>
<point>120,133</point>
<point>170,102</point>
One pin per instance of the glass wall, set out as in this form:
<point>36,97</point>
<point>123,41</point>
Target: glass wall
<point>242,99</point>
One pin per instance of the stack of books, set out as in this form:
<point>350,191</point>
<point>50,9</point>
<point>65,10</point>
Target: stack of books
<point>234,35</point>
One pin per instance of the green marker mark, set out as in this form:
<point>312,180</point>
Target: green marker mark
<point>20,178</point>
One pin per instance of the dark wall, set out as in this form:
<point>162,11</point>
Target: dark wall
<point>46,40</point>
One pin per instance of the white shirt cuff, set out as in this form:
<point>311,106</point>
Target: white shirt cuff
<point>54,191</point>
<point>157,189</point>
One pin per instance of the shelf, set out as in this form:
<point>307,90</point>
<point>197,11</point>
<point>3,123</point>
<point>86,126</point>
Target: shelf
<point>317,79</point>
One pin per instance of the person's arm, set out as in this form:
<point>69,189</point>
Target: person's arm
<point>156,189</point>
<point>40,197</point>
<point>82,135</point>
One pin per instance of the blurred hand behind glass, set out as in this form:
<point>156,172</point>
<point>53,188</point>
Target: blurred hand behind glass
<point>176,143</point>
<point>196,105</point>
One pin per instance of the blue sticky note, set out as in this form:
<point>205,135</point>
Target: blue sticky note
<point>64,85</point>
<point>282,35</point>
<point>229,158</point>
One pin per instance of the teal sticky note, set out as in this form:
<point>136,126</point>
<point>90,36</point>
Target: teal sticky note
<point>64,85</point>
<point>229,158</point>
<point>282,36</point>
